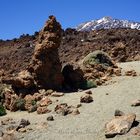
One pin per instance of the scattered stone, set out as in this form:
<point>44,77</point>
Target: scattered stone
<point>118,113</point>
<point>43,110</point>
<point>135,131</point>
<point>57,94</point>
<point>86,99</point>
<point>61,108</point>
<point>7,121</point>
<point>38,96</point>
<point>23,123</point>
<point>131,73</point>
<point>22,130</point>
<point>88,92</point>
<point>64,109</point>
<point>136,102</point>
<point>117,71</point>
<point>75,111</point>
<point>50,118</point>
<point>79,105</point>
<point>119,125</point>
<point>45,102</point>
<point>65,112</point>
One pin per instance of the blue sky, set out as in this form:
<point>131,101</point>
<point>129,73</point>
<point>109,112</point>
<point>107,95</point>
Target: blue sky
<point>27,16</point>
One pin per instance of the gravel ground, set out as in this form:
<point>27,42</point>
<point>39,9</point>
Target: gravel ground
<point>89,124</point>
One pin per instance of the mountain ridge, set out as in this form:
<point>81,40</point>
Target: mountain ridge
<point>107,23</point>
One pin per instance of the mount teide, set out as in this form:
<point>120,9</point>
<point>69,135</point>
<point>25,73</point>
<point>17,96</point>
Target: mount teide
<point>107,23</point>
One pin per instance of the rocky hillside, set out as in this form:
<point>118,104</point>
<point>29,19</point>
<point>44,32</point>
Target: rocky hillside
<point>121,44</point>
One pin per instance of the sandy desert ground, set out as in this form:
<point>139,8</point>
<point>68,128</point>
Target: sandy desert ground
<point>89,124</point>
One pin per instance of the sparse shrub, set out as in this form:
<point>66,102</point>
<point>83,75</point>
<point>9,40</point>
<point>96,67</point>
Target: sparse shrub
<point>20,104</point>
<point>33,102</point>
<point>2,110</point>
<point>97,57</point>
<point>88,84</point>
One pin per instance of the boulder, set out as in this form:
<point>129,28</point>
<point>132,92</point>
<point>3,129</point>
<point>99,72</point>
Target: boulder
<point>119,125</point>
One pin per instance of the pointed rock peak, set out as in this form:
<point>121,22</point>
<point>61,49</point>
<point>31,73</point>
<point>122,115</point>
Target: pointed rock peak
<point>52,25</point>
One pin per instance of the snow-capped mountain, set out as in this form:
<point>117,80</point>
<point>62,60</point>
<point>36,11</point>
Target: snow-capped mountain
<point>107,23</point>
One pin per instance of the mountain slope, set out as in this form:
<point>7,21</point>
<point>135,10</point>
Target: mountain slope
<point>107,23</point>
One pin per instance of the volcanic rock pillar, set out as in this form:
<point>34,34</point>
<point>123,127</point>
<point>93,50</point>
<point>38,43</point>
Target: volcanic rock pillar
<point>45,65</point>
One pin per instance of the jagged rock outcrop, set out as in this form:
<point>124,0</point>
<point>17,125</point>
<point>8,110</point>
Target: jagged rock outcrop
<point>44,70</point>
<point>45,65</point>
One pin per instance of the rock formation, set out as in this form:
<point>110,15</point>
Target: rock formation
<point>44,70</point>
<point>45,65</point>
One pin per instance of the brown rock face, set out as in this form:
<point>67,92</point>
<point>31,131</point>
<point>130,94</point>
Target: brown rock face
<point>44,70</point>
<point>45,65</point>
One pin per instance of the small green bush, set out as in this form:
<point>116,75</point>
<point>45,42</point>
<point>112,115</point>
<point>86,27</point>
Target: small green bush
<point>88,84</point>
<point>33,102</point>
<point>97,57</point>
<point>2,110</point>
